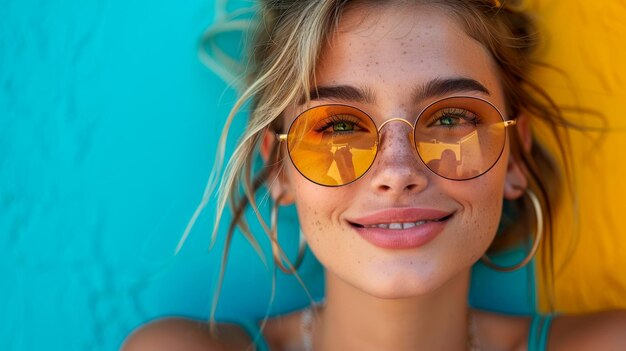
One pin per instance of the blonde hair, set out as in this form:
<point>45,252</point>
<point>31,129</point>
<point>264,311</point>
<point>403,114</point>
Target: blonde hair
<point>289,37</point>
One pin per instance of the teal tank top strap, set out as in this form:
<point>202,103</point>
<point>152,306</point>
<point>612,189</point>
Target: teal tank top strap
<point>539,332</point>
<point>255,334</point>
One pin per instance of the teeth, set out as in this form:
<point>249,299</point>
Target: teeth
<point>396,225</point>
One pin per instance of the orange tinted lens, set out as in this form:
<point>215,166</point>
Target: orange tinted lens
<point>460,138</point>
<point>332,145</point>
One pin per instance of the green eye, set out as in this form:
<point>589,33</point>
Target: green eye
<point>343,127</point>
<point>448,121</point>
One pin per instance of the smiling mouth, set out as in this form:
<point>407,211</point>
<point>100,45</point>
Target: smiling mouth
<point>401,225</point>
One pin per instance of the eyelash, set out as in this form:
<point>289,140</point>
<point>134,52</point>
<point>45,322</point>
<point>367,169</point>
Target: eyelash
<point>331,120</point>
<point>454,112</point>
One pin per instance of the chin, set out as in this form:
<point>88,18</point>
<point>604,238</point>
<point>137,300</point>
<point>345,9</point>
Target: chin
<point>400,285</point>
<point>404,292</point>
<point>405,282</point>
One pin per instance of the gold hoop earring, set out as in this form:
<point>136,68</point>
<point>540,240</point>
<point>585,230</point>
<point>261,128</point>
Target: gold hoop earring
<point>276,250</point>
<point>538,237</point>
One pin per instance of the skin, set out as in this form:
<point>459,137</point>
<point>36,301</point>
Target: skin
<point>417,296</point>
<point>382,57</point>
<point>389,299</point>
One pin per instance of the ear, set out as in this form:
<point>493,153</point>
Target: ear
<point>277,181</point>
<point>516,181</point>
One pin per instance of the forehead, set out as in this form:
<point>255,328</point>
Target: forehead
<point>392,49</point>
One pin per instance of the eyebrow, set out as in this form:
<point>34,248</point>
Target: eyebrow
<point>342,93</point>
<point>441,87</point>
<point>434,88</point>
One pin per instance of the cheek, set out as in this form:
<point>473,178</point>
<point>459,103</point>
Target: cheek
<point>318,221</point>
<point>317,206</point>
<point>320,212</point>
<point>481,201</point>
<point>485,214</point>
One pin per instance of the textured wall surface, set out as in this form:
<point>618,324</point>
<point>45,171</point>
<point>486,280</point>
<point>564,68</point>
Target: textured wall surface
<point>100,112</point>
<point>108,125</point>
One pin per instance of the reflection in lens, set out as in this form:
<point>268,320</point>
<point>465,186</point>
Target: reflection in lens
<point>466,148</point>
<point>457,138</point>
<point>329,157</point>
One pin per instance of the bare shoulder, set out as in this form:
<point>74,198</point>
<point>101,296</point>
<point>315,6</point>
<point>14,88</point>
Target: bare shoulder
<point>284,332</point>
<point>185,334</point>
<point>597,331</point>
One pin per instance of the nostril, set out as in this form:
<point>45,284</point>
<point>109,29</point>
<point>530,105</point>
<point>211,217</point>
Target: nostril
<point>411,186</point>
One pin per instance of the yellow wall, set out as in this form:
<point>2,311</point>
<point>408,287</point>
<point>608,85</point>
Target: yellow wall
<point>587,40</point>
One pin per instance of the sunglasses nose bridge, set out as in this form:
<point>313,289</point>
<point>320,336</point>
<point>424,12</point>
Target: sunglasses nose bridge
<point>396,119</point>
<point>410,135</point>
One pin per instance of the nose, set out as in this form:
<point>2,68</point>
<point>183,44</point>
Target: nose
<point>397,169</point>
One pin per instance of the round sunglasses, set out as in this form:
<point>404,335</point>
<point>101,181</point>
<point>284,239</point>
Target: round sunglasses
<point>457,138</point>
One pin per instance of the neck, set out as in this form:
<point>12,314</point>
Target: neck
<point>354,320</point>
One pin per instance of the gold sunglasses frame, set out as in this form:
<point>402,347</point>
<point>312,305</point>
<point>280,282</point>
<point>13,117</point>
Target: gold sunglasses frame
<point>506,123</point>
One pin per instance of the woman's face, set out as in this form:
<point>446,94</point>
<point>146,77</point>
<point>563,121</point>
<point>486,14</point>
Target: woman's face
<point>395,54</point>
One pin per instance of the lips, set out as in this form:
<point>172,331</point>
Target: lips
<point>395,225</point>
<point>400,218</point>
<point>401,228</point>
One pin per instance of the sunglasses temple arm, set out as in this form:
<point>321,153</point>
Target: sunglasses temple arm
<point>510,122</point>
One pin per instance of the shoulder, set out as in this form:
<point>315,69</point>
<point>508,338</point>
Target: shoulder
<point>185,334</point>
<point>284,332</point>
<point>597,331</point>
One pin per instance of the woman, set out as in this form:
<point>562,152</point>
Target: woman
<point>397,128</point>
